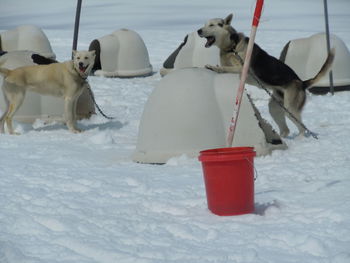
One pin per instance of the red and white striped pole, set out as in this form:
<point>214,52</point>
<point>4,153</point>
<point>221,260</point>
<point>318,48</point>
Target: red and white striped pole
<point>233,124</point>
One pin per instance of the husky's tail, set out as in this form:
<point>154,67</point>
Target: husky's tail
<point>3,71</point>
<point>323,71</point>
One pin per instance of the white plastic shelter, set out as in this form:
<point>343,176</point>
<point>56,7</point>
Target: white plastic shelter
<point>190,110</point>
<point>307,55</point>
<point>191,53</point>
<point>26,37</point>
<point>121,54</point>
<point>37,106</point>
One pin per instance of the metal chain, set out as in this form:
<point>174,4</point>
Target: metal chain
<point>98,108</point>
<point>308,132</point>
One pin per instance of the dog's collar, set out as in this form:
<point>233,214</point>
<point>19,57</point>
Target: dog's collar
<point>232,50</point>
<point>84,78</point>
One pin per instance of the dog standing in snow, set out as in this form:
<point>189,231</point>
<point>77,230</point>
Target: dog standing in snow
<point>264,70</point>
<point>66,80</point>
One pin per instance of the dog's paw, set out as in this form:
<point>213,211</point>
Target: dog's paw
<point>216,69</point>
<point>211,67</point>
<point>284,133</point>
<point>75,130</point>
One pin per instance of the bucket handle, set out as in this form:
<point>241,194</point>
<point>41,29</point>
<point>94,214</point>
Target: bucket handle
<point>255,171</point>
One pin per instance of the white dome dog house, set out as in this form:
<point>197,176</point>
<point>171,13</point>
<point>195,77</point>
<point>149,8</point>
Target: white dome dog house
<point>306,56</point>
<point>190,110</point>
<point>191,53</point>
<point>121,54</point>
<point>36,106</point>
<point>26,37</point>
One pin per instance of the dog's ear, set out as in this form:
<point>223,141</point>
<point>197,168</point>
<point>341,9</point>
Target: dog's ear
<point>228,19</point>
<point>93,52</point>
<point>74,52</point>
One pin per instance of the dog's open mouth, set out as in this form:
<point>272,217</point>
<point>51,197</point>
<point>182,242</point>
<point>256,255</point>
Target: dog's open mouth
<point>210,41</point>
<point>82,69</point>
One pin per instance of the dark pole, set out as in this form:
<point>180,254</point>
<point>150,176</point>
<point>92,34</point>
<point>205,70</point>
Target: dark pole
<point>76,26</point>
<point>328,44</point>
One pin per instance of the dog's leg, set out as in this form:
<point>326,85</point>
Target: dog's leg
<point>278,113</point>
<point>9,117</point>
<point>75,110</point>
<point>297,115</point>
<point>69,114</point>
<point>2,120</point>
<point>225,69</point>
<point>230,64</point>
<point>4,115</point>
<point>294,100</point>
<point>13,107</point>
<point>77,96</point>
<point>14,97</point>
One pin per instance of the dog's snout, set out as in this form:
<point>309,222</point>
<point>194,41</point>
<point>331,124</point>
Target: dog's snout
<point>199,31</point>
<point>81,64</point>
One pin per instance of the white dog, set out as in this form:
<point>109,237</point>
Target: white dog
<point>66,80</point>
<point>264,70</point>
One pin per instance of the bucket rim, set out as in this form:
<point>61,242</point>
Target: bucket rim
<point>226,154</point>
<point>227,150</point>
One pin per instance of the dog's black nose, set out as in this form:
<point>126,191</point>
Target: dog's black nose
<point>81,64</point>
<point>199,31</point>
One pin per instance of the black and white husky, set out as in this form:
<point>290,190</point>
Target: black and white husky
<point>264,70</point>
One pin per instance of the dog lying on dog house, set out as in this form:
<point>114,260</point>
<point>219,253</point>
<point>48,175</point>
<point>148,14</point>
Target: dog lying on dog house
<point>264,70</point>
<point>66,80</point>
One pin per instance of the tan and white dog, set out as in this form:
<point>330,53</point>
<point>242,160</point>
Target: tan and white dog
<point>66,80</point>
<point>264,70</point>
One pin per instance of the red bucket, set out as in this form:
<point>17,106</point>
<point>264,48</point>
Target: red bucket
<point>229,180</point>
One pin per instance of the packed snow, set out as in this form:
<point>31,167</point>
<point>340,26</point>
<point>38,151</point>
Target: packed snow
<point>68,197</point>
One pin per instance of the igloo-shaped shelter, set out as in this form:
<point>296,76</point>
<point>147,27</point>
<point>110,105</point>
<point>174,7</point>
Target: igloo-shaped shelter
<point>191,53</point>
<point>26,37</point>
<point>121,54</point>
<point>190,110</point>
<point>307,55</point>
<point>36,106</point>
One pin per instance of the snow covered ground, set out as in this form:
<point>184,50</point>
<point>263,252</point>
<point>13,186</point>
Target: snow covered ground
<point>68,198</point>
